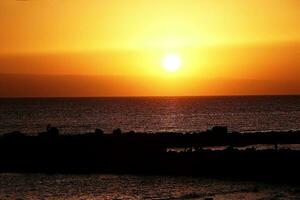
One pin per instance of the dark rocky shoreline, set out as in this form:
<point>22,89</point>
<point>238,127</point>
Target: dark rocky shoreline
<point>141,153</point>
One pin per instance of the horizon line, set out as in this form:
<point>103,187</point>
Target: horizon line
<point>147,96</point>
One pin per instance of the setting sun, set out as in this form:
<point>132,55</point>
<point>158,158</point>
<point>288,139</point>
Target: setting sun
<point>171,62</point>
<point>149,48</point>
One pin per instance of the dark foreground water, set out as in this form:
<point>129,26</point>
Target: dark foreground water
<point>80,115</point>
<point>16,186</point>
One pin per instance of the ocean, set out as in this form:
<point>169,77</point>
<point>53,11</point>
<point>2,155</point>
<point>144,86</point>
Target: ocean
<point>145,114</point>
<point>150,114</point>
<point>127,187</point>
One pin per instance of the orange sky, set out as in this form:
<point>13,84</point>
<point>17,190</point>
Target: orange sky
<point>115,48</point>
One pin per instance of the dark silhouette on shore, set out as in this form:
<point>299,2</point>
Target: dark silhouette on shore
<point>144,153</point>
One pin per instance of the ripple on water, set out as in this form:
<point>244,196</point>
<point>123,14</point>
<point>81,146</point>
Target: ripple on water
<point>39,186</point>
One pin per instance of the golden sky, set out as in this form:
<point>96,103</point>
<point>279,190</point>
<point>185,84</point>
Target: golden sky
<point>116,47</point>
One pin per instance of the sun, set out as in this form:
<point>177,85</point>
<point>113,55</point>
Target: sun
<point>171,62</point>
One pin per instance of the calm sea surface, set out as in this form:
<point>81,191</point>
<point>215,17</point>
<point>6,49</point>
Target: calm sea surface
<point>108,187</point>
<point>81,115</point>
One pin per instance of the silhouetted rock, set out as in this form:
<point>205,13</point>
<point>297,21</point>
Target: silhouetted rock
<point>220,130</point>
<point>99,131</point>
<point>144,153</point>
<point>117,131</point>
<point>131,133</point>
<point>50,132</point>
<point>15,134</point>
<point>53,131</point>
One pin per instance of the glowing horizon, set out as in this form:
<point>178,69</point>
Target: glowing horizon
<point>229,40</point>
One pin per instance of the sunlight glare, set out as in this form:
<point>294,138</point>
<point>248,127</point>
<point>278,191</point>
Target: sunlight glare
<point>171,62</point>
